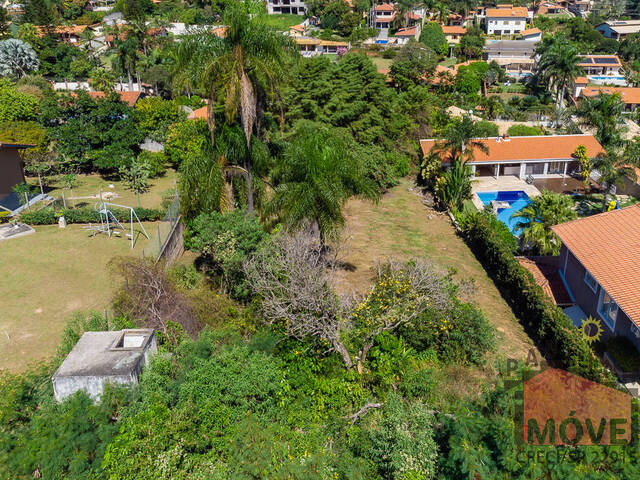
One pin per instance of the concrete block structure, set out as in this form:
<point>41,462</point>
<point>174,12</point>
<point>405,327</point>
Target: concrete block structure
<point>104,357</point>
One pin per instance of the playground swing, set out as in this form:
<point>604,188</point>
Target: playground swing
<point>110,224</point>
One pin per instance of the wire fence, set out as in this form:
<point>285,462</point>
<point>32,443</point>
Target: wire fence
<point>168,234</point>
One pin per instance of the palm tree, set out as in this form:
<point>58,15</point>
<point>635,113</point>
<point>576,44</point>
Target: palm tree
<point>459,141</point>
<point>604,113</point>
<point>558,65</point>
<point>126,55</point>
<point>454,186</point>
<point>317,175</point>
<point>246,65</point>
<point>613,169</point>
<point>404,7</point>
<point>443,11</point>
<point>537,218</point>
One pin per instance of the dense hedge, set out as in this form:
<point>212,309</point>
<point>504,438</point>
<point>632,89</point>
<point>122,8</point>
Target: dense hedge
<point>554,334</point>
<point>47,216</point>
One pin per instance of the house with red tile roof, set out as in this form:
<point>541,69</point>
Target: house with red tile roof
<point>600,265</point>
<point>630,96</point>
<point>505,20</point>
<point>453,33</point>
<point>383,15</point>
<point>130,98</point>
<point>536,156</point>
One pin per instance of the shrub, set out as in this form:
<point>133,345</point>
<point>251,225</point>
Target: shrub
<point>155,162</point>
<point>462,335</point>
<point>524,131</point>
<point>554,333</point>
<point>47,216</point>
<point>487,129</point>
<point>226,241</point>
<point>624,354</point>
<point>389,53</point>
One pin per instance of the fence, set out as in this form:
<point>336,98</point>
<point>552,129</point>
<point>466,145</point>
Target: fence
<point>166,243</point>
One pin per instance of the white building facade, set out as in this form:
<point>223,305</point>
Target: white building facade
<point>295,7</point>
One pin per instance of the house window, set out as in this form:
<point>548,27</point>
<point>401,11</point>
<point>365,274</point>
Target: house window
<point>608,309</point>
<point>590,281</point>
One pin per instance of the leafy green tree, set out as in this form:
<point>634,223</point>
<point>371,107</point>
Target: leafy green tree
<point>15,105</point>
<point>4,25</point>
<point>135,177</point>
<point>102,80</point>
<point>155,115</point>
<point>558,65</point>
<point>17,58</point>
<point>315,178</point>
<point>403,9</point>
<point>470,79</point>
<point>349,94</point>
<point>38,12</point>
<point>604,113</point>
<point>91,134</point>
<point>413,65</point>
<point>472,43</point>
<point>433,38</point>
<point>126,56</point>
<point>246,67</point>
<point>536,219</point>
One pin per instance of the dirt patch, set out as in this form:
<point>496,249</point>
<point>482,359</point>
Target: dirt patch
<point>401,226</point>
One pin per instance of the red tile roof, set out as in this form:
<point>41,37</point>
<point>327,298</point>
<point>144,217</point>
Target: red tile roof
<point>130,98</point>
<point>407,32</point>
<point>199,113</point>
<point>629,95</point>
<point>532,31</point>
<point>608,246</point>
<point>545,273</point>
<point>516,149</point>
<point>515,12</point>
<point>581,81</point>
<point>384,7</point>
<point>453,30</point>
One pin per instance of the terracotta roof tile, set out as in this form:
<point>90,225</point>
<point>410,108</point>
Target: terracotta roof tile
<point>545,273</point>
<point>384,7</point>
<point>515,149</point>
<point>581,80</point>
<point>608,246</point>
<point>629,95</point>
<point>532,31</point>
<point>130,98</point>
<point>453,30</point>
<point>407,32</point>
<point>198,114</point>
<point>514,12</point>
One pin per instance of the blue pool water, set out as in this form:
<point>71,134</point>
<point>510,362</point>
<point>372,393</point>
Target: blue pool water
<point>517,201</point>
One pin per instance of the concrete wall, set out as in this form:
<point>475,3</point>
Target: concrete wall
<point>11,170</point>
<point>587,299</point>
<point>92,385</point>
<point>630,188</point>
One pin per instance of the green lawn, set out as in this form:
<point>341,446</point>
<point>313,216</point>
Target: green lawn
<point>382,63</point>
<point>88,188</point>
<point>449,62</point>
<point>48,275</point>
<point>283,21</point>
<point>400,225</point>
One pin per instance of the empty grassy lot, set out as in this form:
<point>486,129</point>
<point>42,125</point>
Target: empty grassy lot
<point>401,226</point>
<point>92,185</point>
<point>44,278</point>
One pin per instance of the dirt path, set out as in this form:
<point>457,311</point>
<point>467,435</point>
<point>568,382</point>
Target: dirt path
<point>401,226</point>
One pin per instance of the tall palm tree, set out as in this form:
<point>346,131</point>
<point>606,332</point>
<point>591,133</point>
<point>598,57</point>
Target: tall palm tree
<point>316,177</point>
<point>604,113</point>
<point>126,57</point>
<point>443,11</point>
<point>558,65</point>
<point>404,7</point>
<point>246,65</point>
<point>536,219</point>
<point>459,141</point>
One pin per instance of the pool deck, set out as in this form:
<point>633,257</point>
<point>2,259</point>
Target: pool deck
<point>503,183</point>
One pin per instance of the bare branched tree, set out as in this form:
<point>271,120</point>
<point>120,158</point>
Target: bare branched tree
<point>148,296</point>
<point>294,279</point>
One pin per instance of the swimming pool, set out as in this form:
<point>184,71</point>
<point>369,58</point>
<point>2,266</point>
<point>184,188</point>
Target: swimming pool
<point>517,200</point>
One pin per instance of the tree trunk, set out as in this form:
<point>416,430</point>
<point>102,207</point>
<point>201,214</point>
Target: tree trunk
<point>40,182</point>
<point>211,119</point>
<point>130,79</point>
<point>247,167</point>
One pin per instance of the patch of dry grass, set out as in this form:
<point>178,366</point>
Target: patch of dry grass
<point>45,277</point>
<point>401,226</point>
